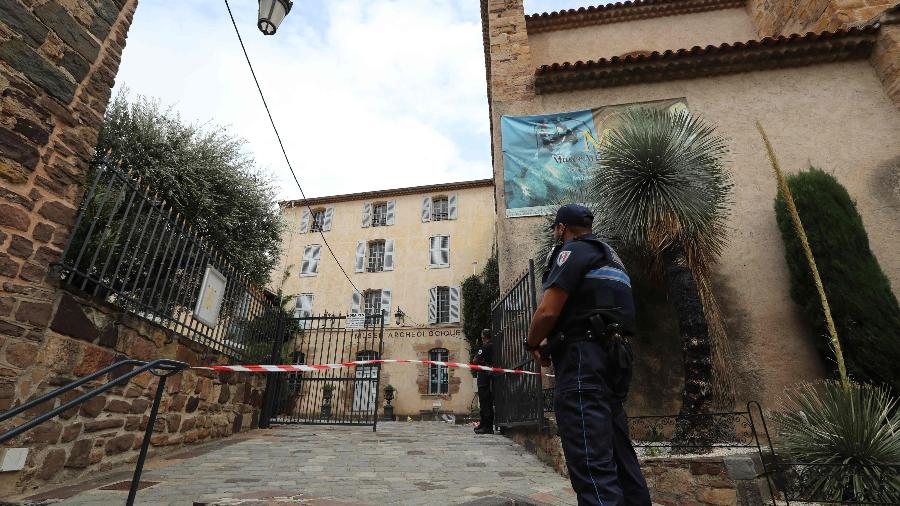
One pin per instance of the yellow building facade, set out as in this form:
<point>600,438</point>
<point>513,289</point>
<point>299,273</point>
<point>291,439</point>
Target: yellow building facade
<point>407,250</point>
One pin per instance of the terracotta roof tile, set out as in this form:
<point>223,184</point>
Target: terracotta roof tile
<point>785,51</point>
<point>622,11</point>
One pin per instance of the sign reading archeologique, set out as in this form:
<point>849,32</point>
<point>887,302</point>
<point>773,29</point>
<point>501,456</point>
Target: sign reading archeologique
<point>209,303</point>
<point>546,155</point>
<point>408,333</point>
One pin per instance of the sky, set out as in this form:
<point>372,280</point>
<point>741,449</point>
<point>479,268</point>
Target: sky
<point>367,94</point>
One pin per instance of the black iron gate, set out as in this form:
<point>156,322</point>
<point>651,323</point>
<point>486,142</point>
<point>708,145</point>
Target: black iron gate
<point>518,398</point>
<point>341,396</point>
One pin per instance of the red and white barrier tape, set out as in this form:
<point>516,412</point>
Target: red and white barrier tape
<point>323,367</point>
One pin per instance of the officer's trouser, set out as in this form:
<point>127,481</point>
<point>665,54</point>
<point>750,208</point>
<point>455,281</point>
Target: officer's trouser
<point>603,467</point>
<point>486,406</point>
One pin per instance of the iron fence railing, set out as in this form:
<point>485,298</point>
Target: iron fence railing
<point>518,398</point>
<point>837,483</point>
<point>131,249</point>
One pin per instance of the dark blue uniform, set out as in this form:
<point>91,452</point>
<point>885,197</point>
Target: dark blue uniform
<point>593,427</point>
<point>485,356</point>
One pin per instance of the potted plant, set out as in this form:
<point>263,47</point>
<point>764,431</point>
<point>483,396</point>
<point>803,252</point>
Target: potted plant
<point>388,397</point>
<point>327,390</point>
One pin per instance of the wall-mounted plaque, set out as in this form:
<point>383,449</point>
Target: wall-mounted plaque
<point>212,291</point>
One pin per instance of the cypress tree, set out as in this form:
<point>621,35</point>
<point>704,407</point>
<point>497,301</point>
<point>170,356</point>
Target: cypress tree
<point>865,311</point>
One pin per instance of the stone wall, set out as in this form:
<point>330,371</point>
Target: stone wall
<point>886,56</point>
<point>107,430</point>
<point>673,481</point>
<point>58,61</point>
<point>784,17</point>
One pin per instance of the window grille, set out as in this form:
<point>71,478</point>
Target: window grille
<point>376,256</point>
<point>379,215</point>
<point>443,304</point>
<point>440,209</point>
<point>373,302</point>
<point>438,375</point>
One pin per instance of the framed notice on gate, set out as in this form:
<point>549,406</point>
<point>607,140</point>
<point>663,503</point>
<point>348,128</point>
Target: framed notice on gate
<point>209,303</point>
<point>355,321</point>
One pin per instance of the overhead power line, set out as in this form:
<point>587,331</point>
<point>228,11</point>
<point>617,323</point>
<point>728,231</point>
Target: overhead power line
<point>280,143</point>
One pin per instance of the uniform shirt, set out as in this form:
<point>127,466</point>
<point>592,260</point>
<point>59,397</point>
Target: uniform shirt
<point>580,365</point>
<point>485,356</point>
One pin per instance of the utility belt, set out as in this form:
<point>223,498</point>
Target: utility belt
<point>614,340</point>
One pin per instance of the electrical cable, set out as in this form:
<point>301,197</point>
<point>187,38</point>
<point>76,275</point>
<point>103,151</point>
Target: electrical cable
<point>280,143</point>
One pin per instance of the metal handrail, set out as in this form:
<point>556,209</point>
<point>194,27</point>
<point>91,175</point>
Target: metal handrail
<point>161,368</point>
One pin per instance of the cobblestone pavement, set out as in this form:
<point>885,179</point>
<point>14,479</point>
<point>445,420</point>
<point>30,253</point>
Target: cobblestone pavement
<point>403,463</point>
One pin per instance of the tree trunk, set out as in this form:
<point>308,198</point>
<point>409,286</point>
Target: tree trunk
<point>690,430</point>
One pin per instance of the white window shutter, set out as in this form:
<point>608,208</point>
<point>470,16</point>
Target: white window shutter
<point>391,211</point>
<point>432,304</point>
<point>454,304</point>
<point>329,214</point>
<point>304,266</point>
<point>445,250</point>
<point>308,304</point>
<point>389,254</point>
<point>451,206</point>
<point>426,209</point>
<point>355,302</point>
<point>298,306</point>
<point>360,256</point>
<point>314,259</point>
<point>367,214</point>
<point>434,250</point>
<point>304,221</point>
<point>386,304</point>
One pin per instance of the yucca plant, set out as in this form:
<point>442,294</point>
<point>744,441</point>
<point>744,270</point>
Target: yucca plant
<point>665,193</point>
<point>847,438</point>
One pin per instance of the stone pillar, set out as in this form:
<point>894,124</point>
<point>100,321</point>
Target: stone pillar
<point>510,76</point>
<point>784,17</point>
<point>58,61</point>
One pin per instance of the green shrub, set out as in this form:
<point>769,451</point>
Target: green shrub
<point>863,306</point>
<point>478,293</point>
<point>857,427</point>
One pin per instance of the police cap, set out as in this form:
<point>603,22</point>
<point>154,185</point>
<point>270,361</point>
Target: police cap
<point>573,214</point>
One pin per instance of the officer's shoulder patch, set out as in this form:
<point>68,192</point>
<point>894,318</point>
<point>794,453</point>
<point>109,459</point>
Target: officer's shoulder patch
<point>562,257</point>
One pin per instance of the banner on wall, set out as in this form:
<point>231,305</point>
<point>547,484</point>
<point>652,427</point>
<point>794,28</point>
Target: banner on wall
<point>546,155</point>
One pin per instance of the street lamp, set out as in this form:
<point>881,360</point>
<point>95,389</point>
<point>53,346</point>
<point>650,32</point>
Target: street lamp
<point>271,13</point>
<point>398,316</point>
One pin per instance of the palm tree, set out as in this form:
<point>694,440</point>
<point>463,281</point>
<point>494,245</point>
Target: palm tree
<point>666,194</point>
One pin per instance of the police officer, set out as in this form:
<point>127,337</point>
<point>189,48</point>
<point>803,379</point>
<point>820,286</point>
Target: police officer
<point>585,314</point>
<point>485,356</point>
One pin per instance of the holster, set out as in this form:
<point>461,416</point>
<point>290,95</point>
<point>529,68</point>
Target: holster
<point>610,335</point>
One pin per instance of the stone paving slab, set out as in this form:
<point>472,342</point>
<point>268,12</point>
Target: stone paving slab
<point>420,463</point>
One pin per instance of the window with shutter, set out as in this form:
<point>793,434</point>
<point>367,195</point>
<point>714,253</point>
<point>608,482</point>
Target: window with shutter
<point>440,210</point>
<point>304,305</point>
<point>442,306</point>
<point>391,211</point>
<point>439,251</point>
<point>379,214</point>
<point>318,220</point>
<point>310,264</point>
<point>375,261</point>
<point>372,302</point>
